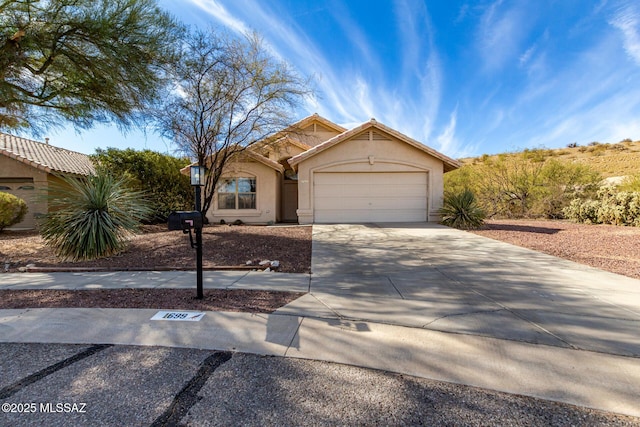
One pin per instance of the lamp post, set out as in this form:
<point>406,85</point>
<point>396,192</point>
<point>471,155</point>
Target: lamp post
<point>197,181</point>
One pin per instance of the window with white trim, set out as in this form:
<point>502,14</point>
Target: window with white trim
<point>237,193</point>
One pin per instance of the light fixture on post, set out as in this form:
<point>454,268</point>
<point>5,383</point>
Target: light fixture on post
<point>197,181</point>
<point>197,176</point>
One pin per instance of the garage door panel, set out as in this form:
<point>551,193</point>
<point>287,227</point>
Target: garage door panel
<point>370,197</point>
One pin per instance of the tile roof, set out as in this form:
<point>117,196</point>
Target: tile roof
<point>44,156</point>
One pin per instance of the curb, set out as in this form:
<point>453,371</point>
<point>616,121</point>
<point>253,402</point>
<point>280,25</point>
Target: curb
<point>110,269</point>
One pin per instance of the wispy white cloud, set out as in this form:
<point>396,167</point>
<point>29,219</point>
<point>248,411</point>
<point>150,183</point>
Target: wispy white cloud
<point>462,13</point>
<point>446,140</point>
<point>526,56</point>
<point>421,68</point>
<point>499,34</point>
<point>627,20</point>
<point>217,10</point>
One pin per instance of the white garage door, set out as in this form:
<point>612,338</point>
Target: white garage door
<point>370,197</point>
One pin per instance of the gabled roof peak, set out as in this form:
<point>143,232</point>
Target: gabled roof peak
<point>449,163</point>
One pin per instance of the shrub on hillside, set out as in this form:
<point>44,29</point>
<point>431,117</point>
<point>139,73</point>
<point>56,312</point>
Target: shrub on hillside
<point>609,207</point>
<point>93,217</point>
<point>527,184</point>
<point>12,210</point>
<point>460,210</point>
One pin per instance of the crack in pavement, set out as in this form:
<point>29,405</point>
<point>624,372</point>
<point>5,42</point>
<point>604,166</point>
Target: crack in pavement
<point>461,314</point>
<point>188,396</point>
<point>12,389</point>
<point>395,287</point>
<point>514,312</point>
<point>237,280</point>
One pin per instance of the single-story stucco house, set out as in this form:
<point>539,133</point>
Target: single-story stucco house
<point>28,168</point>
<point>316,171</point>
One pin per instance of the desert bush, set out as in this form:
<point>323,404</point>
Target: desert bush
<point>610,207</point>
<point>93,217</point>
<point>460,210</point>
<point>584,211</point>
<point>12,210</point>
<point>525,184</point>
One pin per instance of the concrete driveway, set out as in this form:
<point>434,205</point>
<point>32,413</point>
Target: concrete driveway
<point>437,278</point>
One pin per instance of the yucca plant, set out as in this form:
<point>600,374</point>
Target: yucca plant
<point>460,210</point>
<point>93,217</point>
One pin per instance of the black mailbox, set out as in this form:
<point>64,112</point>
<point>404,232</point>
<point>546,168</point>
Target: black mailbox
<point>185,220</point>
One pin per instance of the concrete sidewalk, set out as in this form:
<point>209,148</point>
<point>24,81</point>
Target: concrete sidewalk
<point>487,314</point>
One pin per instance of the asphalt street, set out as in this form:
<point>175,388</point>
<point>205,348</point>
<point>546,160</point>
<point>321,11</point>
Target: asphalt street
<point>114,385</point>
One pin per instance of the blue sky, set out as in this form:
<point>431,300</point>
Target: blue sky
<point>463,77</point>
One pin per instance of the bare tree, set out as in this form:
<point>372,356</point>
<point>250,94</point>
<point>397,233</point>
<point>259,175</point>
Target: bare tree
<point>229,94</point>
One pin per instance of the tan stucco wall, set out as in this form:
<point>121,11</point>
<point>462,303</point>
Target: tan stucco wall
<point>379,155</point>
<point>11,168</point>
<point>267,195</point>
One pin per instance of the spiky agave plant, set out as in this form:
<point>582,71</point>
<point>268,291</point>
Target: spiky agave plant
<point>460,210</point>
<point>93,217</point>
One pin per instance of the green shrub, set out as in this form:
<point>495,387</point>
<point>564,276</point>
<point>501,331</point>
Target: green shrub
<point>157,174</point>
<point>92,218</point>
<point>460,210</point>
<point>12,210</point>
<point>585,211</point>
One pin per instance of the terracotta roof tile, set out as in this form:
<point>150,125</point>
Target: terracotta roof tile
<point>44,156</point>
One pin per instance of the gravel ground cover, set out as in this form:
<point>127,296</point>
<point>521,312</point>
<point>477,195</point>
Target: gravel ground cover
<point>607,247</point>
<point>223,245</point>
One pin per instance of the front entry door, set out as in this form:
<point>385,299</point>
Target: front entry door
<point>289,203</point>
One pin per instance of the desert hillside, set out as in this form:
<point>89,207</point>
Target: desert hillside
<point>610,159</point>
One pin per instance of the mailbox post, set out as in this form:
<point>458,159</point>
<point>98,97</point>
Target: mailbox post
<point>193,220</point>
<point>187,221</point>
<point>197,181</point>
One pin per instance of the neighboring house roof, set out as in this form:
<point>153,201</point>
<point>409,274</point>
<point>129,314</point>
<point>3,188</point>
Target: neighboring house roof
<point>449,163</point>
<point>248,153</point>
<point>293,141</point>
<point>262,159</point>
<point>44,156</point>
<point>298,126</point>
<point>315,117</point>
